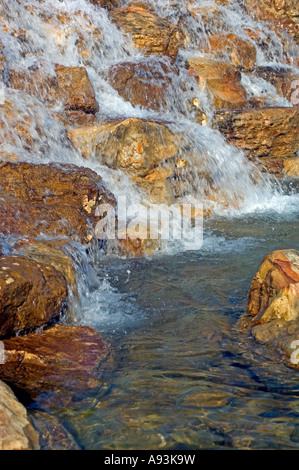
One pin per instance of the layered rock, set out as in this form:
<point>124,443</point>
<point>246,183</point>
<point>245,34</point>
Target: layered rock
<point>135,146</point>
<point>62,359</point>
<point>31,294</point>
<point>274,302</point>
<point>58,201</point>
<point>223,81</point>
<point>152,34</point>
<point>262,133</point>
<point>16,431</point>
<point>144,83</point>
<point>228,46</point>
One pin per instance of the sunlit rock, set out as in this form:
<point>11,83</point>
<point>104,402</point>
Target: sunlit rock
<point>152,34</point>
<point>266,132</point>
<point>62,359</point>
<point>16,430</point>
<point>57,201</point>
<point>274,302</point>
<point>31,294</point>
<point>221,80</point>
<point>135,146</point>
<point>231,47</point>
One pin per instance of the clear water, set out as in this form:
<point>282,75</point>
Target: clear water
<point>180,375</point>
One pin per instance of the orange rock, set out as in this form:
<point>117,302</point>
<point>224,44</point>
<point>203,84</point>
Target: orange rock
<point>237,50</point>
<point>222,80</point>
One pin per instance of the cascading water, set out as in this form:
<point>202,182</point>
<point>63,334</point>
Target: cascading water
<point>116,293</point>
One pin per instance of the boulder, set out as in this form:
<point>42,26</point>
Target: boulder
<point>282,79</point>
<point>152,34</point>
<point>54,200</point>
<point>135,146</point>
<point>223,82</point>
<point>266,132</point>
<point>63,359</point>
<point>228,46</point>
<point>31,294</point>
<point>273,302</point>
<point>16,431</point>
<point>144,83</point>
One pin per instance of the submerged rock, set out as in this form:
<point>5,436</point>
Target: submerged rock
<point>16,431</point>
<point>274,303</point>
<point>134,145</point>
<point>266,132</point>
<point>58,201</point>
<point>31,294</point>
<point>62,359</point>
<point>152,34</point>
<point>222,80</point>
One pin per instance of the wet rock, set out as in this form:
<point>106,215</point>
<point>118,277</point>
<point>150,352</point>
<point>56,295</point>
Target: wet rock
<point>273,302</point>
<point>16,431</point>
<point>31,294</point>
<point>71,85</point>
<point>291,167</point>
<point>222,80</point>
<point>63,359</point>
<point>283,13</point>
<point>150,33</point>
<point>58,201</point>
<point>266,132</point>
<point>135,146</point>
<point>52,433</point>
<point>281,78</point>
<point>144,83</point>
<point>231,47</point>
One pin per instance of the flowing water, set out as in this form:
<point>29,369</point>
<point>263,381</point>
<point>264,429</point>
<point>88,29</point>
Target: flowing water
<point>180,375</point>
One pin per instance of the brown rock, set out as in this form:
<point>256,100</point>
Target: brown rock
<point>134,145</point>
<point>31,294</point>
<point>282,79</point>
<point>240,52</point>
<point>267,132</point>
<point>58,201</point>
<point>274,301</point>
<point>222,81</point>
<point>64,359</point>
<point>143,83</point>
<point>150,33</point>
<point>291,167</point>
<point>283,13</point>
<point>16,431</point>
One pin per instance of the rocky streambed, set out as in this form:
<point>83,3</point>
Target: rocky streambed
<point>138,342</point>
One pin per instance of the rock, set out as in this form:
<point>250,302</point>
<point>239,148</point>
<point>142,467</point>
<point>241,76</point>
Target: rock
<point>266,132</point>
<point>52,433</point>
<point>291,167</point>
<point>222,80</point>
<point>144,83</point>
<point>16,431</point>
<point>135,146</point>
<point>71,85</point>
<point>57,201</point>
<point>31,294</point>
<point>283,13</point>
<point>281,78</point>
<point>273,301</point>
<point>62,359</point>
<point>238,51</point>
<point>150,33</point>
<point>2,61</point>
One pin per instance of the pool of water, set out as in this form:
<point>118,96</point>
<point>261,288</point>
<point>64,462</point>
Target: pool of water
<point>180,374</point>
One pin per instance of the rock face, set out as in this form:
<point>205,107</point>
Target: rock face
<point>238,51</point>
<point>16,431</point>
<point>31,294</point>
<point>267,132</point>
<point>274,302</point>
<point>222,80</point>
<point>134,145</point>
<point>283,13</point>
<point>63,359</point>
<point>144,83</point>
<point>150,33</point>
<point>52,200</point>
